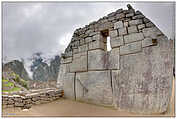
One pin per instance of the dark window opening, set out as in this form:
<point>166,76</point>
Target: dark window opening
<point>106,40</point>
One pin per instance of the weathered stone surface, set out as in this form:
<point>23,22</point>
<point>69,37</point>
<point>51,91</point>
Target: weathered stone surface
<point>141,26</point>
<point>149,24</point>
<point>135,75</point>
<point>119,16</point>
<point>146,20</point>
<point>152,32</point>
<point>118,25</point>
<point>94,87</point>
<point>69,85</point>
<point>82,41</point>
<point>79,62</point>
<point>116,42</point>
<point>122,31</point>
<point>66,60</point>
<point>115,80</point>
<point>113,59</point>
<point>147,42</point>
<point>113,33</point>
<point>140,16</point>
<point>126,24</point>
<point>97,60</point>
<point>145,79</point>
<point>132,29</point>
<point>130,15</point>
<point>83,48</point>
<point>130,48</point>
<point>135,22</point>
<point>64,68</point>
<point>88,39</point>
<point>133,37</point>
<point>98,44</point>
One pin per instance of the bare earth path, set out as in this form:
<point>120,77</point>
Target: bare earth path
<point>65,107</point>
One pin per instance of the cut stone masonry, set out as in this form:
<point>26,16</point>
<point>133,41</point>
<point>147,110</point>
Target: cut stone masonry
<point>136,75</point>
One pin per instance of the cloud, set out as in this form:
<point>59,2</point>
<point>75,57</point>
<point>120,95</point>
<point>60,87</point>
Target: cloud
<point>48,27</point>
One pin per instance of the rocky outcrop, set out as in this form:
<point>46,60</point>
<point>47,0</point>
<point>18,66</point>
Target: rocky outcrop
<point>43,72</point>
<point>136,75</point>
<point>18,68</point>
<point>12,82</point>
<point>54,68</point>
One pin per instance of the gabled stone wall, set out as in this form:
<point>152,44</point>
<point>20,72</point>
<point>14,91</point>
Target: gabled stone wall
<point>136,75</point>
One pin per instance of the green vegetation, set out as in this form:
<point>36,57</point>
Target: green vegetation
<point>4,80</point>
<point>20,81</point>
<point>8,84</point>
<point>11,85</point>
<point>12,90</point>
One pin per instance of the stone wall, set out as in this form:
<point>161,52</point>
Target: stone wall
<point>136,75</point>
<point>26,99</point>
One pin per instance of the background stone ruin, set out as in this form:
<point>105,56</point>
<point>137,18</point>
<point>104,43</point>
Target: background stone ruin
<point>136,75</point>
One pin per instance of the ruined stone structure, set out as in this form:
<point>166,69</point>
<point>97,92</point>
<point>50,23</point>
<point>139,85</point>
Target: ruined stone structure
<point>25,99</point>
<point>136,75</point>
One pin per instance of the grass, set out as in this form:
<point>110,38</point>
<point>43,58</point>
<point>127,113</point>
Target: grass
<point>4,80</point>
<point>12,90</point>
<point>20,81</point>
<point>7,83</point>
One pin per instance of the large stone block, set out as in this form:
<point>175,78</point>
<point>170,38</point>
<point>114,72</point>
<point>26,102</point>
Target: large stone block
<point>113,33</point>
<point>115,86</point>
<point>83,48</point>
<point>130,15</point>
<point>88,39</point>
<point>133,37</point>
<point>66,60</point>
<point>69,85</point>
<point>113,59</point>
<point>152,32</point>
<point>141,26</point>
<point>82,41</point>
<point>145,80</point>
<point>130,48</point>
<point>148,42</point>
<point>97,60</point>
<point>105,25</point>
<point>64,68</point>
<point>94,87</point>
<point>132,29</point>
<point>122,31</point>
<point>79,63</point>
<point>116,42</point>
<point>135,22</point>
<point>96,45</point>
<point>118,24</point>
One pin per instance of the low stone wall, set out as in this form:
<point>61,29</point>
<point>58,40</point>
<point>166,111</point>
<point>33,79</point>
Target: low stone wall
<point>26,99</point>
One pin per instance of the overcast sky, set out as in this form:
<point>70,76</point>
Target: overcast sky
<point>48,27</point>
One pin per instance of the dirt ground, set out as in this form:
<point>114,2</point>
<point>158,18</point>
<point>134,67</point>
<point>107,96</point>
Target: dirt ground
<point>65,107</point>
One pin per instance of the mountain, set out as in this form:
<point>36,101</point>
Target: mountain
<point>12,82</point>
<point>44,71</point>
<point>37,67</point>
<point>54,67</point>
<point>18,68</point>
<point>41,72</point>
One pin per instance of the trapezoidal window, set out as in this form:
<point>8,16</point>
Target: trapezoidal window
<point>106,40</point>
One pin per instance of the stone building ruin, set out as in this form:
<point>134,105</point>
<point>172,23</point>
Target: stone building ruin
<point>136,75</point>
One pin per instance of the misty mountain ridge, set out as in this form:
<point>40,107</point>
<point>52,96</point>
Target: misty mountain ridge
<point>36,67</point>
